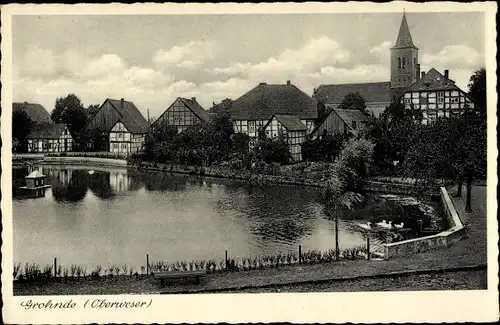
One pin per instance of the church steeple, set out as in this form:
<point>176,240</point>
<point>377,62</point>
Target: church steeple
<point>404,58</point>
<point>404,36</point>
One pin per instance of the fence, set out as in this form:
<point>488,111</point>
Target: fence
<point>34,272</point>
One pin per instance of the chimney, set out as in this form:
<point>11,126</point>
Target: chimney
<point>446,74</point>
<point>288,82</point>
<point>193,99</point>
<point>418,71</point>
<point>423,74</point>
<point>121,101</point>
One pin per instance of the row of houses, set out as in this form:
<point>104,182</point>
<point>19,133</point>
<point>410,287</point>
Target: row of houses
<point>280,108</point>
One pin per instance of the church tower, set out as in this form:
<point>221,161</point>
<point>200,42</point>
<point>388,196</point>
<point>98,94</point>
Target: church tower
<point>405,69</point>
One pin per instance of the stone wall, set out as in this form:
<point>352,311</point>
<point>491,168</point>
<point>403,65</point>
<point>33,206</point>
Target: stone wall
<point>438,241</point>
<point>398,188</point>
<point>105,162</point>
<point>225,172</point>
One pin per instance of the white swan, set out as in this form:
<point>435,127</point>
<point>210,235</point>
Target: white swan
<point>400,225</point>
<point>91,172</point>
<point>367,225</point>
<point>384,224</point>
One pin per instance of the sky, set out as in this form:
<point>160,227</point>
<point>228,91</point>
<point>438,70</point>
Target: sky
<point>153,59</point>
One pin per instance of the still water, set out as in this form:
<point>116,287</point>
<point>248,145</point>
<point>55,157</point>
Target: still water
<point>117,216</point>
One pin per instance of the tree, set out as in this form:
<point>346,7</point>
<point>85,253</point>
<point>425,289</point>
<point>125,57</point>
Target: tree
<point>346,179</point>
<point>91,110</point>
<point>477,90</point>
<point>21,126</point>
<point>449,149</point>
<point>354,101</point>
<point>273,150</point>
<point>219,132</point>
<point>70,111</point>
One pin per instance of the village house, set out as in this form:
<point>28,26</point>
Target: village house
<point>49,138</point>
<point>404,70</point>
<point>119,126</point>
<point>339,121</point>
<point>252,111</point>
<point>36,112</point>
<point>182,113</point>
<point>294,130</point>
<point>436,95</point>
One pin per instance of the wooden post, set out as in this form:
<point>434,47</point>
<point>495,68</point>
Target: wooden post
<point>368,248</point>
<point>55,267</point>
<point>147,264</point>
<point>420,226</point>
<point>300,254</point>
<point>226,260</point>
<point>337,250</point>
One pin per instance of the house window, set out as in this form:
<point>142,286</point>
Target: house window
<point>407,100</point>
<point>251,126</point>
<point>441,97</point>
<point>124,146</point>
<point>454,99</point>
<point>120,136</point>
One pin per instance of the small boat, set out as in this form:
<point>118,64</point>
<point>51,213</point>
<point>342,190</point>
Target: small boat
<point>91,172</point>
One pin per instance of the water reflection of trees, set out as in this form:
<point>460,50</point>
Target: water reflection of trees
<point>100,184</point>
<point>159,181</point>
<point>74,190</point>
<point>275,213</point>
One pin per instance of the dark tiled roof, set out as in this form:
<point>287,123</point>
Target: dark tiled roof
<point>130,116</point>
<point>264,101</point>
<point>433,80</point>
<point>291,122</point>
<point>36,112</point>
<point>379,92</point>
<point>404,36</point>
<point>349,115</point>
<point>195,108</point>
<point>46,131</point>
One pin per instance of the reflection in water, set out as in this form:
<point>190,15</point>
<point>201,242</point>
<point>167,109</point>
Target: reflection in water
<point>122,215</point>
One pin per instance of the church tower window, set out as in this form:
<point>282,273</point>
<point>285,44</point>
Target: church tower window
<point>399,63</point>
<point>404,63</point>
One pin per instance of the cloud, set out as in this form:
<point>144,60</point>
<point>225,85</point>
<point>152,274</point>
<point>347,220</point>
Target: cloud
<point>313,55</point>
<point>382,51</point>
<point>186,56</point>
<point>108,64</point>
<point>454,57</point>
<point>38,62</point>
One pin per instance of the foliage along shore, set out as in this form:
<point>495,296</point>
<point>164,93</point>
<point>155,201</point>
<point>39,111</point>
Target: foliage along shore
<point>34,273</point>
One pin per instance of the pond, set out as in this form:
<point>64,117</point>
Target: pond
<point>117,216</point>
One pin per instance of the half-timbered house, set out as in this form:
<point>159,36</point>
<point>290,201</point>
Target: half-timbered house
<point>118,126</point>
<point>182,113</point>
<point>49,138</point>
<point>253,110</point>
<point>294,130</point>
<point>436,95</point>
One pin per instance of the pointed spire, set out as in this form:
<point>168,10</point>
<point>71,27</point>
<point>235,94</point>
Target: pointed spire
<point>404,36</point>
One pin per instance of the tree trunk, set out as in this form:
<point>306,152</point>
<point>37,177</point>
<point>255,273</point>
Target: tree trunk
<point>468,203</point>
<point>459,188</point>
<point>337,250</point>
